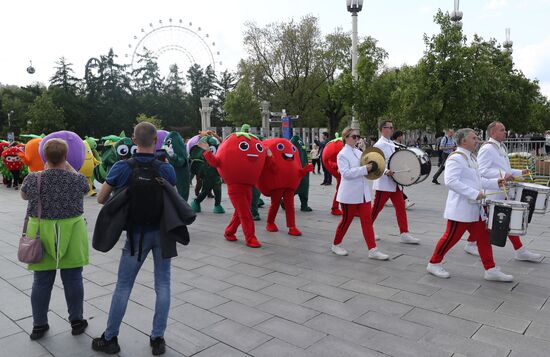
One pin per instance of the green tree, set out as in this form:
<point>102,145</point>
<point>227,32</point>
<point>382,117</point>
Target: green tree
<point>225,83</point>
<point>241,106</point>
<point>64,76</point>
<point>202,84</point>
<point>146,76</point>
<point>153,120</point>
<point>45,116</point>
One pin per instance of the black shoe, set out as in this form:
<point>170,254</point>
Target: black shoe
<point>102,345</point>
<point>435,181</point>
<point>159,346</point>
<point>322,184</point>
<point>39,331</point>
<point>210,195</point>
<point>78,327</point>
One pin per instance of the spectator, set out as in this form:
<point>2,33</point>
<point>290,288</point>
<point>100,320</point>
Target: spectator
<point>315,160</point>
<point>327,180</point>
<point>447,146</point>
<point>547,142</point>
<point>63,233</point>
<point>148,236</point>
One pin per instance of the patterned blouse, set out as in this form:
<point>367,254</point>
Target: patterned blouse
<point>62,193</point>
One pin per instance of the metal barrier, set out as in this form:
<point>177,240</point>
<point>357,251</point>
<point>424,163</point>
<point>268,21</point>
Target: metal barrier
<point>534,147</point>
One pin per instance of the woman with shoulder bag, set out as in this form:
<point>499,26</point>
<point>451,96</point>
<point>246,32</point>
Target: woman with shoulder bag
<point>55,214</point>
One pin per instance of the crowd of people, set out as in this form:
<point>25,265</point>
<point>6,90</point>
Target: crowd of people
<point>140,189</point>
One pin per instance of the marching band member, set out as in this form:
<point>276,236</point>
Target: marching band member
<point>465,185</point>
<point>386,188</point>
<point>494,163</point>
<point>354,195</point>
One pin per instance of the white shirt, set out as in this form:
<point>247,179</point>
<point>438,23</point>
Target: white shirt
<point>354,187</point>
<point>385,183</point>
<point>464,181</point>
<point>494,163</point>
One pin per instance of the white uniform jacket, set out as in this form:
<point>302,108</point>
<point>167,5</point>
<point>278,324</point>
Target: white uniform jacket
<point>385,183</point>
<point>464,181</point>
<point>494,163</point>
<point>354,187</point>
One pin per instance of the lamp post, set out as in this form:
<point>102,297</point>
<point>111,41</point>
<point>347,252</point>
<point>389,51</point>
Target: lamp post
<point>508,43</point>
<point>456,15</point>
<point>9,118</point>
<point>354,6</point>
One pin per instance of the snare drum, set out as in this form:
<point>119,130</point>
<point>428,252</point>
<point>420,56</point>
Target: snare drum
<point>514,212</point>
<point>410,166</point>
<point>528,192</point>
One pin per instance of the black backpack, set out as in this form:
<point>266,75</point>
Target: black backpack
<point>146,197</point>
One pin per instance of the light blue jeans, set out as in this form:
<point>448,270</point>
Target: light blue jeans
<point>127,272</point>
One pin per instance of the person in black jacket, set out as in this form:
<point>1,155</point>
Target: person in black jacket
<point>327,179</point>
<point>121,176</point>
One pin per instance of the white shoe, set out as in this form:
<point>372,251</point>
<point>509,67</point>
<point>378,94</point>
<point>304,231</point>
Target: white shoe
<point>471,248</point>
<point>374,253</point>
<point>336,249</point>
<point>407,238</point>
<point>524,254</point>
<point>438,270</point>
<point>388,203</point>
<point>494,274</point>
<point>376,237</point>
<point>408,204</point>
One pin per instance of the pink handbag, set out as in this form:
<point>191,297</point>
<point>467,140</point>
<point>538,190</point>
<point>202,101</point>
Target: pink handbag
<point>31,250</point>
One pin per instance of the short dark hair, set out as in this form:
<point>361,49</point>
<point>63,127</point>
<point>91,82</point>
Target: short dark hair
<point>396,134</point>
<point>382,123</point>
<point>324,133</point>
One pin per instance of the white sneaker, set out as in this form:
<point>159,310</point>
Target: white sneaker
<point>407,238</point>
<point>388,203</point>
<point>374,253</point>
<point>438,270</point>
<point>336,249</point>
<point>524,254</point>
<point>471,248</point>
<point>408,204</point>
<point>494,274</point>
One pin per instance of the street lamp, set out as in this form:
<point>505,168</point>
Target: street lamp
<point>508,43</point>
<point>354,6</point>
<point>9,118</point>
<point>456,15</point>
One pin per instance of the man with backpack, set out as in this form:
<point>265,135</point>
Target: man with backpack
<point>141,175</point>
<point>447,146</point>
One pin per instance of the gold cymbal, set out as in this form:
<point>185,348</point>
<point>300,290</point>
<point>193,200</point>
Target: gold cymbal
<point>376,155</point>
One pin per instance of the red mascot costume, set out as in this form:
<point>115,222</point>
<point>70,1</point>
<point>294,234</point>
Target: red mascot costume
<point>330,152</point>
<point>10,158</point>
<point>239,160</point>
<point>280,179</point>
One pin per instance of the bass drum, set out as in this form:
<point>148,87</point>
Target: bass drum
<point>410,166</point>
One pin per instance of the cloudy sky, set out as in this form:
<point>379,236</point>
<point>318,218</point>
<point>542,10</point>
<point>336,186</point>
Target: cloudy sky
<point>43,31</point>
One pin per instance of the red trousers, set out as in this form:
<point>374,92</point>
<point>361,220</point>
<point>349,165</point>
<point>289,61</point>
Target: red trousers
<point>349,211</point>
<point>516,241</point>
<point>288,199</point>
<point>334,202</point>
<point>241,198</point>
<point>380,199</point>
<point>454,232</point>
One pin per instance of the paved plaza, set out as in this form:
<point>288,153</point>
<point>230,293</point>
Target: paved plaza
<point>293,297</point>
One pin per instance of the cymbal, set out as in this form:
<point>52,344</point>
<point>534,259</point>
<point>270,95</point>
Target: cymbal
<point>376,155</point>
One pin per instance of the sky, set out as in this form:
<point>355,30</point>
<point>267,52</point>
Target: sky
<point>43,31</point>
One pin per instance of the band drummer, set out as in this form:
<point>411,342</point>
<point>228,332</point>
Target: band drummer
<point>354,195</point>
<point>462,212</point>
<point>386,188</point>
<point>494,163</point>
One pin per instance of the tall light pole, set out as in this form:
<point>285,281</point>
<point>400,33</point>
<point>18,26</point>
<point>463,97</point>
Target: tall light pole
<point>354,6</point>
<point>9,118</point>
<point>508,43</point>
<point>456,15</point>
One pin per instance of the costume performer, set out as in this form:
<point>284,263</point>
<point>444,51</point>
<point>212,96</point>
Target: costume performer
<point>177,157</point>
<point>462,212</point>
<point>354,195</point>
<point>87,169</point>
<point>239,160</point>
<point>14,165</point>
<point>208,175</point>
<point>117,148</point>
<point>493,164</point>
<point>386,188</point>
<point>303,189</point>
<point>31,156</point>
<point>330,152</point>
<point>280,179</point>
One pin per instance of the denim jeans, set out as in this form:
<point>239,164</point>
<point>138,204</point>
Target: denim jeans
<point>42,292</point>
<point>127,271</point>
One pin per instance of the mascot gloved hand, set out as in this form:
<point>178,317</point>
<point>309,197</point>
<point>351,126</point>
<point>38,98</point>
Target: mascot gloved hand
<point>240,160</point>
<point>209,175</point>
<point>176,151</point>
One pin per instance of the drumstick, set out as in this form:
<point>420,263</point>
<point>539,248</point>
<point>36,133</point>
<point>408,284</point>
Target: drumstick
<point>530,176</point>
<point>496,193</point>
<point>505,190</point>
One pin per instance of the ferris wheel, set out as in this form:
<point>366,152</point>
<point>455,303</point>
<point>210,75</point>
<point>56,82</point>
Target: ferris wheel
<point>174,42</point>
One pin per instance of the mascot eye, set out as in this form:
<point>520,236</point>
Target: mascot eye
<point>168,142</point>
<point>280,147</point>
<point>213,150</point>
<point>259,147</point>
<point>122,150</point>
<point>293,148</point>
<point>243,145</point>
<point>133,150</point>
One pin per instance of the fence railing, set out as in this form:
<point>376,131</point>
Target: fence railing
<point>536,147</point>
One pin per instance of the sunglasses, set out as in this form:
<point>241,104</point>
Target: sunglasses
<point>354,136</point>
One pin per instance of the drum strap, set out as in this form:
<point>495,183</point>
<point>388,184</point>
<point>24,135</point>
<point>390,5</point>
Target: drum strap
<point>474,166</point>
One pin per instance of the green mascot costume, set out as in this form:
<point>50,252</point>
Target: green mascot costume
<point>303,190</point>
<point>178,158</point>
<point>211,180</point>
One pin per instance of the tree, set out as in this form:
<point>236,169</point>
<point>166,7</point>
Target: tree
<point>153,120</point>
<point>202,84</point>
<point>147,77</point>
<point>225,82</point>
<point>45,116</point>
<point>241,106</point>
<point>64,76</point>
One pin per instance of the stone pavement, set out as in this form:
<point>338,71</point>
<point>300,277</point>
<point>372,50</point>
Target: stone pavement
<point>293,297</point>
